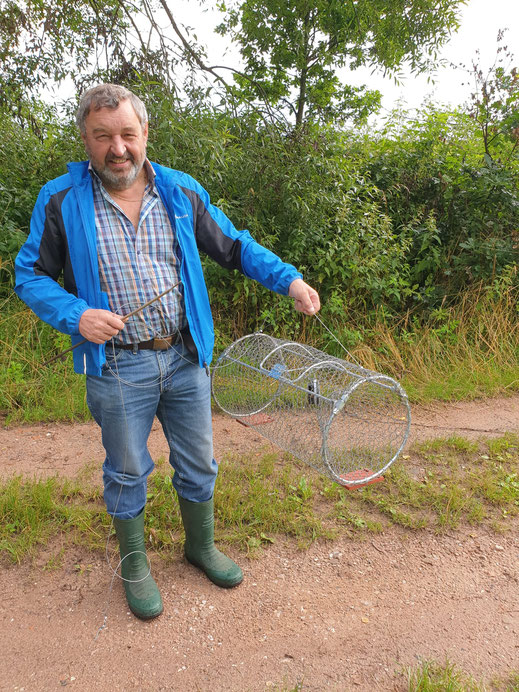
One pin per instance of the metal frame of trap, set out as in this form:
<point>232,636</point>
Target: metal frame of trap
<point>309,384</point>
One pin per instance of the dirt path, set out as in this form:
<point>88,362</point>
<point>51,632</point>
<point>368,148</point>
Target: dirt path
<point>341,616</point>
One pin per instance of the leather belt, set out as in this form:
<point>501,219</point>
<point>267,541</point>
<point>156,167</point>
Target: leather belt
<point>157,344</point>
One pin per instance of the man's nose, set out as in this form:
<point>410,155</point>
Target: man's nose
<point>118,146</point>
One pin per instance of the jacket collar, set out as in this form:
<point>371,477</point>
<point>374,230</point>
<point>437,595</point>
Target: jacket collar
<point>79,172</point>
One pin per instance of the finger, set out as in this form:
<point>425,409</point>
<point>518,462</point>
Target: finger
<point>115,321</point>
<point>315,301</point>
<point>305,307</point>
<point>310,303</point>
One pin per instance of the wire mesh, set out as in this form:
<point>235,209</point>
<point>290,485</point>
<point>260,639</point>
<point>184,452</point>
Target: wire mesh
<point>345,421</point>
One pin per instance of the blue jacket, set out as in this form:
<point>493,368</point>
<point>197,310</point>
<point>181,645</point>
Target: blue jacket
<point>62,240</point>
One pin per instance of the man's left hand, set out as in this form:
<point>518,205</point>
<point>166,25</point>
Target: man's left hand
<point>306,298</point>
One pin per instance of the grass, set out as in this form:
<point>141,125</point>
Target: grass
<point>439,486</point>
<point>34,511</point>
<point>28,391</point>
<point>467,351</point>
<point>431,676</point>
<point>435,677</point>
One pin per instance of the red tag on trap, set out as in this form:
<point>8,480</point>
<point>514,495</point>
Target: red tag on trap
<point>359,475</point>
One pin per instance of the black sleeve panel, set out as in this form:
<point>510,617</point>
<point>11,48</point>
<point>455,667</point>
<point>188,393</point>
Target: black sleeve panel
<point>54,257</point>
<point>210,237</point>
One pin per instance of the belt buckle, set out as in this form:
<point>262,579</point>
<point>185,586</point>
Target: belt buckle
<point>161,344</point>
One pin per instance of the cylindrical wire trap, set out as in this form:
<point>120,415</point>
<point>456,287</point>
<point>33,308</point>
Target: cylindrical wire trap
<point>345,421</point>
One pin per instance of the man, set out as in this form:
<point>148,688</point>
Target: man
<point>121,231</point>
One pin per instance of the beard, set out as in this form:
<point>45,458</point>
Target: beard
<point>113,180</point>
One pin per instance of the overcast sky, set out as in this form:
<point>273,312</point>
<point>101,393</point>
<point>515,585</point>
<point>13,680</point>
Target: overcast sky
<point>480,22</point>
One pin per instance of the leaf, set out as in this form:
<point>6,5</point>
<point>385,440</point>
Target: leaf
<point>266,539</point>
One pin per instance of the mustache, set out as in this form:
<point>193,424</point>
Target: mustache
<point>126,157</point>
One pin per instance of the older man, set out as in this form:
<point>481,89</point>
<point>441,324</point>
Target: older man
<point>122,230</point>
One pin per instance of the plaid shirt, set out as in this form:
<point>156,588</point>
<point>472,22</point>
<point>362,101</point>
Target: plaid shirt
<point>137,265</point>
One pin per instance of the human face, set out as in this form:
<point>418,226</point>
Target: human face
<point>115,142</point>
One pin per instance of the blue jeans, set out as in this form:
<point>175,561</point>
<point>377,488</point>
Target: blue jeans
<point>133,388</point>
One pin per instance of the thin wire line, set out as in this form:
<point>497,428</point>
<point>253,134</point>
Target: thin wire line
<point>110,530</point>
<point>115,572</point>
<point>161,381</point>
<point>337,340</point>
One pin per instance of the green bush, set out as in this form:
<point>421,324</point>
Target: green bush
<point>34,148</point>
<point>381,223</point>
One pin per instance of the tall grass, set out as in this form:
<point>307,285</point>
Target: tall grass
<point>467,350</point>
<point>30,392</point>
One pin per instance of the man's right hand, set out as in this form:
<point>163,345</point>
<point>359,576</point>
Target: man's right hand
<point>99,325</point>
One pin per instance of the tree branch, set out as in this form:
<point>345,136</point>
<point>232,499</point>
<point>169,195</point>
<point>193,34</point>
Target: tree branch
<point>188,48</point>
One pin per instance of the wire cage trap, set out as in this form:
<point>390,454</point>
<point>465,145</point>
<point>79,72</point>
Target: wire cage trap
<point>347,422</point>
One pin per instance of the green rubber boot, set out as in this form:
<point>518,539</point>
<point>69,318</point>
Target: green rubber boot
<point>142,592</point>
<point>199,549</point>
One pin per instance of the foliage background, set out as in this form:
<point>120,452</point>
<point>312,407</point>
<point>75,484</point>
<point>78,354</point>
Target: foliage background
<point>404,218</point>
<point>410,231</point>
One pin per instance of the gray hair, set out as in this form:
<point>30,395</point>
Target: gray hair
<point>108,96</point>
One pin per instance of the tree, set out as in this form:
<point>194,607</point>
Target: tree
<point>42,42</point>
<point>48,41</point>
<point>293,48</point>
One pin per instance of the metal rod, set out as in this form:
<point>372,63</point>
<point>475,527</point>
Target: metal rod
<point>124,319</point>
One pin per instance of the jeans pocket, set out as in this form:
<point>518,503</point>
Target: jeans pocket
<point>113,357</point>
